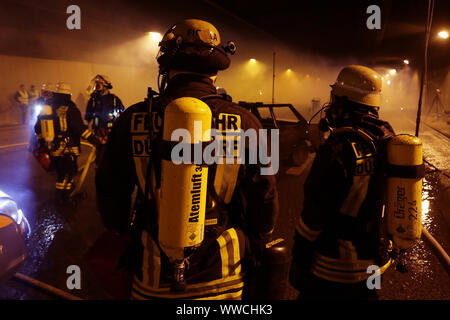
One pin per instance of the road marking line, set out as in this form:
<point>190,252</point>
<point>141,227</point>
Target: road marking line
<point>13,145</point>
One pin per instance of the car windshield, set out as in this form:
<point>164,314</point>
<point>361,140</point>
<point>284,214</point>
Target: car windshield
<point>285,114</point>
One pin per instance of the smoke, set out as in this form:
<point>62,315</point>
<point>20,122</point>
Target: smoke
<point>115,40</point>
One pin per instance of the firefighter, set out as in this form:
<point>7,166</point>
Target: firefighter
<point>241,204</point>
<point>46,94</point>
<point>339,234</point>
<point>33,94</point>
<point>103,109</point>
<point>60,127</point>
<point>22,98</point>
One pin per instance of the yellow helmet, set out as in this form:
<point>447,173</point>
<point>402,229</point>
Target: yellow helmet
<point>193,31</point>
<point>63,87</point>
<point>194,45</point>
<point>48,86</point>
<point>359,84</point>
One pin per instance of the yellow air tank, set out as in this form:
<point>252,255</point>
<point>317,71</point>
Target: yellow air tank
<point>47,128</point>
<point>404,190</point>
<point>182,195</point>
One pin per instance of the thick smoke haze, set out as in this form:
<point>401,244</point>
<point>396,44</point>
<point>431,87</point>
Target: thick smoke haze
<point>115,41</point>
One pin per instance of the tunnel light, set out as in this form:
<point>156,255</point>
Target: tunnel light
<point>155,36</point>
<point>288,70</point>
<point>392,71</point>
<point>389,82</point>
<point>443,34</point>
<point>252,60</point>
<point>406,61</point>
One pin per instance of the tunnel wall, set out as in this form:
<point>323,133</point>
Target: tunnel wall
<point>129,83</point>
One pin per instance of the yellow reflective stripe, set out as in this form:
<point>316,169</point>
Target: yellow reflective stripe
<point>306,232</point>
<point>86,134</point>
<point>236,252</point>
<point>63,123</point>
<point>356,196</point>
<point>229,252</point>
<point>74,150</point>
<point>227,296</point>
<point>210,222</point>
<point>223,255</point>
<point>215,289</point>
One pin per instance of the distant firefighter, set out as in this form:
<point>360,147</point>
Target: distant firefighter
<point>23,99</point>
<point>338,234</point>
<point>33,94</point>
<point>59,128</point>
<point>103,108</point>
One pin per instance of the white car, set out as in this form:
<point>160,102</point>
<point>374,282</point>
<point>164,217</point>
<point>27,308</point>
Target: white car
<point>14,229</point>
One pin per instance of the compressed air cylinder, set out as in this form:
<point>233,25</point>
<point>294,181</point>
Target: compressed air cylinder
<point>47,128</point>
<point>182,195</point>
<point>404,190</point>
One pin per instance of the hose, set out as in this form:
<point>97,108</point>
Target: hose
<point>46,287</point>
<point>438,250</point>
<point>85,167</point>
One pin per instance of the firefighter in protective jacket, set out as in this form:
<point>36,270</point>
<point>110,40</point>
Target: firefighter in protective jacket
<point>241,204</point>
<point>60,127</point>
<point>103,107</point>
<point>102,110</point>
<point>338,235</point>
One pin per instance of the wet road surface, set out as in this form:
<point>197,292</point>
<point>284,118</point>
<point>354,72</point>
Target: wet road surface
<point>61,236</point>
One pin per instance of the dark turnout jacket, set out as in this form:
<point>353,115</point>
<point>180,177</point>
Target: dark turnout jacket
<point>338,233</point>
<point>103,109</point>
<point>68,126</point>
<point>250,212</point>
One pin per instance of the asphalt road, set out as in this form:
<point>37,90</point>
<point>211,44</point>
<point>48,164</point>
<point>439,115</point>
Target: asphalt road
<point>61,236</point>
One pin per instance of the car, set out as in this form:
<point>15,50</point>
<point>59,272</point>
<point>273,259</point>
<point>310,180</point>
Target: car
<point>298,138</point>
<point>14,229</point>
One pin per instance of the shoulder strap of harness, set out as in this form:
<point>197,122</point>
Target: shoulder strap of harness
<point>216,96</point>
<point>359,132</point>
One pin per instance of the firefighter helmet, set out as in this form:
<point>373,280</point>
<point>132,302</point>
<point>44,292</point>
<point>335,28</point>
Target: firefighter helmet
<point>359,84</point>
<point>99,82</point>
<point>48,87</point>
<point>194,45</point>
<point>63,88</point>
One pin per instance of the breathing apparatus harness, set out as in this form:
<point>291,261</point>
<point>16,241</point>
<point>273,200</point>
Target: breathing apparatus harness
<point>139,219</point>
